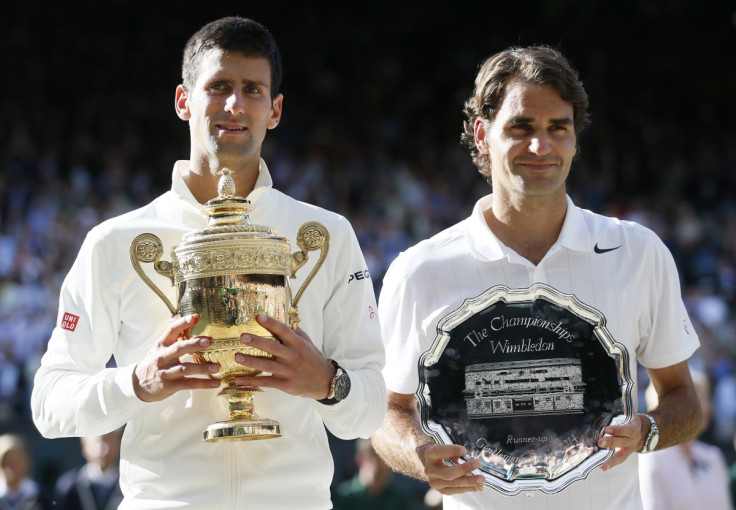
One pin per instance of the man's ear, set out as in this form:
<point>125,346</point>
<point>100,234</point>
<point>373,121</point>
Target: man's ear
<point>276,106</point>
<point>480,135</point>
<point>181,103</point>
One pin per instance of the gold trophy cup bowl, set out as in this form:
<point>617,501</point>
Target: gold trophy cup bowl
<point>228,273</point>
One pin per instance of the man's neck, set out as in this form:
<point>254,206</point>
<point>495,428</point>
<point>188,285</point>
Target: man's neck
<point>530,226</point>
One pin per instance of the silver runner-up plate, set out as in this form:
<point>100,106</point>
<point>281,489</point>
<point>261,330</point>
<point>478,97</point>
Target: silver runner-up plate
<point>526,380</point>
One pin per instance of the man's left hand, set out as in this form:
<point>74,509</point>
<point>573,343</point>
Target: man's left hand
<point>297,366</point>
<point>626,439</point>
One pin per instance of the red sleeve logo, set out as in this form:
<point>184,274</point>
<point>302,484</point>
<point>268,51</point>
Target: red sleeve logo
<point>69,321</point>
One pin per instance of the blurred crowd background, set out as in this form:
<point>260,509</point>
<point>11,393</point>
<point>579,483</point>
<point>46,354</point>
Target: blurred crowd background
<point>372,119</point>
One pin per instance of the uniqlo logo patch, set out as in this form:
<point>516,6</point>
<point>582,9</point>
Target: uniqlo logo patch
<point>69,321</point>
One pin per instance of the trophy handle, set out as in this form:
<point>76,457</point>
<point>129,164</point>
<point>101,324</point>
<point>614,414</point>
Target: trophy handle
<point>149,248</point>
<point>311,236</point>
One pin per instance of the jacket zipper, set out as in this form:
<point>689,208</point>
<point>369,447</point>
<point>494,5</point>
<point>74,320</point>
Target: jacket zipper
<point>234,497</point>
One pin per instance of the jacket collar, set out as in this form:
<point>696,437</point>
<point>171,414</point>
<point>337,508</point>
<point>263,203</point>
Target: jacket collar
<point>179,187</point>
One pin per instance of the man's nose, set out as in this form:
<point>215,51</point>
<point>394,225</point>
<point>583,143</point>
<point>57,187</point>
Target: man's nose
<point>235,103</point>
<point>539,145</point>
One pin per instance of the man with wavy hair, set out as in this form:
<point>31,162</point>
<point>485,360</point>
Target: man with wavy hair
<point>522,127</point>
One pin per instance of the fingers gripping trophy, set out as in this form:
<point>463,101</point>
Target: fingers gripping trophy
<point>228,273</point>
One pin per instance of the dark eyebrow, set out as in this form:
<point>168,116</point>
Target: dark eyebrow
<point>256,83</point>
<point>563,121</point>
<point>253,82</point>
<point>520,120</point>
<point>245,81</point>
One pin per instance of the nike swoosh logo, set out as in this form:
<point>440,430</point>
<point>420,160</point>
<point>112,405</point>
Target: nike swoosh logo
<point>604,250</point>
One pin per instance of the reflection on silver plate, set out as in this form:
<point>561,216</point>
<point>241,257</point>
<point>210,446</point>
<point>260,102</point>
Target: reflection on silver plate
<point>526,380</point>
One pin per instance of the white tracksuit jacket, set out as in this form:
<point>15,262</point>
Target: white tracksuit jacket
<point>107,310</point>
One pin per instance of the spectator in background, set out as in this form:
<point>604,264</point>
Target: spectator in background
<point>688,476</point>
<point>18,491</point>
<point>95,485</point>
<point>374,486</point>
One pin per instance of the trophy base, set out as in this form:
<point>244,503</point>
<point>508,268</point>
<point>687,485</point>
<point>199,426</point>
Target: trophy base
<point>242,430</point>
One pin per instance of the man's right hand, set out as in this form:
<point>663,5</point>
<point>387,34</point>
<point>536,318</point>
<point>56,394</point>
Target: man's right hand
<point>449,479</point>
<point>161,373</point>
<point>396,442</point>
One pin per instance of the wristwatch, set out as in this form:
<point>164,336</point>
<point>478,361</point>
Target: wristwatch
<point>339,386</point>
<point>650,443</point>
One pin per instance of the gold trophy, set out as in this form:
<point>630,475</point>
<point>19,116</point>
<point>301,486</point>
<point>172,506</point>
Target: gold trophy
<point>228,273</point>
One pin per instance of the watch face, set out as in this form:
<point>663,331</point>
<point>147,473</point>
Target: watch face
<point>342,387</point>
<point>653,441</point>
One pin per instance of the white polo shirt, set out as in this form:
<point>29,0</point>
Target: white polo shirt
<point>620,268</point>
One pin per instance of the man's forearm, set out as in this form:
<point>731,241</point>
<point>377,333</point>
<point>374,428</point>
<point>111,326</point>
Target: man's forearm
<point>678,415</point>
<point>397,439</point>
<point>65,403</point>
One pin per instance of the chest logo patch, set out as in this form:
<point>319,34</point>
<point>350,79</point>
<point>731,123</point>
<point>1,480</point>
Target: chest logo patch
<point>604,250</point>
<point>69,321</point>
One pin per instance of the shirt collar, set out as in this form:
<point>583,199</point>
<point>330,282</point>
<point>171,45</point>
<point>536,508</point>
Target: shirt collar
<point>574,234</point>
<point>485,245</point>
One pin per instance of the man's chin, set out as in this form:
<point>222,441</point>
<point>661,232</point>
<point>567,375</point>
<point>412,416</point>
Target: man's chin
<point>233,152</point>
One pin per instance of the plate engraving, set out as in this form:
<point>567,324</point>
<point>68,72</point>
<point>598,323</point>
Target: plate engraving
<point>526,380</point>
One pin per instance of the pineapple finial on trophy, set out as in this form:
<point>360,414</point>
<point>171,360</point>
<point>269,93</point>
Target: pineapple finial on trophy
<point>226,184</point>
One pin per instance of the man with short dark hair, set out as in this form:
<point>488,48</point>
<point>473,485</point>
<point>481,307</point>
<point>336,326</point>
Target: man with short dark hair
<point>230,99</point>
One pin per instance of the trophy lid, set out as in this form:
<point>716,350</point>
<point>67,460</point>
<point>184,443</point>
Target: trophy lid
<point>228,213</point>
<point>230,242</point>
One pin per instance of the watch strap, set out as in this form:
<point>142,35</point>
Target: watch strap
<point>330,400</point>
<point>653,429</point>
